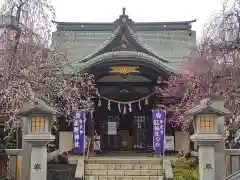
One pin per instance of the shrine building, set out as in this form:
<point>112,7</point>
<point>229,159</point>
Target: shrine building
<point>126,58</point>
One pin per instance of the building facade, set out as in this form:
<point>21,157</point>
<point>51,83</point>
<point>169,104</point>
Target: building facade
<point>127,58</point>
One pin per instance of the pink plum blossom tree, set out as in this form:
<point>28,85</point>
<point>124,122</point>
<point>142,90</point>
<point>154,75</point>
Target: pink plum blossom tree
<point>211,70</point>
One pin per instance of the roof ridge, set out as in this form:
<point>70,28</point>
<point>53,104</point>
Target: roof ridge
<point>103,45</point>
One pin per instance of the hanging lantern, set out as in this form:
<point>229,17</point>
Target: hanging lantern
<point>109,105</point>
<point>99,103</point>
<point>139,105</point>
<point>130,107</point>
<point>146,101</point>
<point>124,109</point>
<point>119,107</point>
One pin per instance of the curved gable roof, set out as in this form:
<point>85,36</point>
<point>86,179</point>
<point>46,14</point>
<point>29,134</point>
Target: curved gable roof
<point>130,56</point>
<point>134,38</point>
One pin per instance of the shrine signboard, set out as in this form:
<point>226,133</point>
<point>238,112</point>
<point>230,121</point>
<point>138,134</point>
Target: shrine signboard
<point>158,121</point>
<point>169,143</point>
<point>79,132</point>
<point>112,128</point>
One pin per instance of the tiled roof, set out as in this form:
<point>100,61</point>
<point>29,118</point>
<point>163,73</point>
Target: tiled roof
<point>114,35</point>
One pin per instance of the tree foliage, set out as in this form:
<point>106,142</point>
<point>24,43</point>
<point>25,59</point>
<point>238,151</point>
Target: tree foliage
<point>212,69</point>
<point>31,70</point>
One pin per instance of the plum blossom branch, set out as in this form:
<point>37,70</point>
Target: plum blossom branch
<point>31,70</point>
<point>213,68</point>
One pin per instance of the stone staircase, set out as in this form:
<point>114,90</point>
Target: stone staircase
<point>123,168</point>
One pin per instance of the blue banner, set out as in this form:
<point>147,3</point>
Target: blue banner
<point>79,132</point>
<point>158,121</point>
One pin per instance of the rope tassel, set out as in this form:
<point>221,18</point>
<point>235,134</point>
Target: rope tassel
<point>99,103</point>
<point>146,101</point>
<point>119,107</point>
<point>130,107</point>
<point>109,105</point>
<point>139,105</point>
<point>124,109</point>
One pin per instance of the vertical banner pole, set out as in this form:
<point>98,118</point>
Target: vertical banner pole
<point>158,121</point>
<point>165,119</point>
<point>79,132</point>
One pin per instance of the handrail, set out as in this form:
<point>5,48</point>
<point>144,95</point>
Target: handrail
<point>86,156</point>
<point>88,148</point>
<point>234,176</point>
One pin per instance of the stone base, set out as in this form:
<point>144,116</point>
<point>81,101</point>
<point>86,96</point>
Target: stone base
<point>38,139</point>
<point>65,171</point>
<point>206,139</point>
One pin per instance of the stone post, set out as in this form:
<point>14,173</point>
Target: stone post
<point>206,135</point>
<point>219,150</point>
<point>206,153</point>
<point>26,153</point>
<point>38,165</point>
<point>37,125</point>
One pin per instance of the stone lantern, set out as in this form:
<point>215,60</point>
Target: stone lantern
<point>206,134</point>
<point>38,117</point>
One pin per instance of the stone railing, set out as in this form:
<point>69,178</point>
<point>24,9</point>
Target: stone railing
<point>79,175</point>
<point>232,164</point>
<point>168,172</point>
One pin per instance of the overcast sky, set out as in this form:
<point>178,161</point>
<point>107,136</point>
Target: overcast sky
<point>138,11</point>
<point>141,10</point>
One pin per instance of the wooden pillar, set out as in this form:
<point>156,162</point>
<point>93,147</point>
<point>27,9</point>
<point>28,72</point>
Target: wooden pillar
<point>149,123</point>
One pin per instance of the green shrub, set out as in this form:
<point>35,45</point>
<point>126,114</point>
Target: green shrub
<point>185,169</point>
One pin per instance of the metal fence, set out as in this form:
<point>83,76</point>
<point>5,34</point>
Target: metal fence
<point>232,164</point>
<point>3,165</point>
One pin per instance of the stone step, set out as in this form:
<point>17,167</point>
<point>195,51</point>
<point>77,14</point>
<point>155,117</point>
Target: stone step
<point>146,160</point>
<point>124,166</point>
<point>127,172</point>
<point>123,178</point>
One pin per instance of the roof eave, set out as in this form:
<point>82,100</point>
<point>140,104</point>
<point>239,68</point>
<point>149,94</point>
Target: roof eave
<point>111,23</point>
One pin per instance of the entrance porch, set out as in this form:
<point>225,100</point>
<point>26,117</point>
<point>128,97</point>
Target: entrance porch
<point>122,117</point>
<point>122,129</point>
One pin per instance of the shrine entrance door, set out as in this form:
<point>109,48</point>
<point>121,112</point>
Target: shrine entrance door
<point>129,131</point>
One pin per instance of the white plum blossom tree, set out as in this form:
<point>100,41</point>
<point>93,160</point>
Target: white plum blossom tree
<point>30,69</point>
